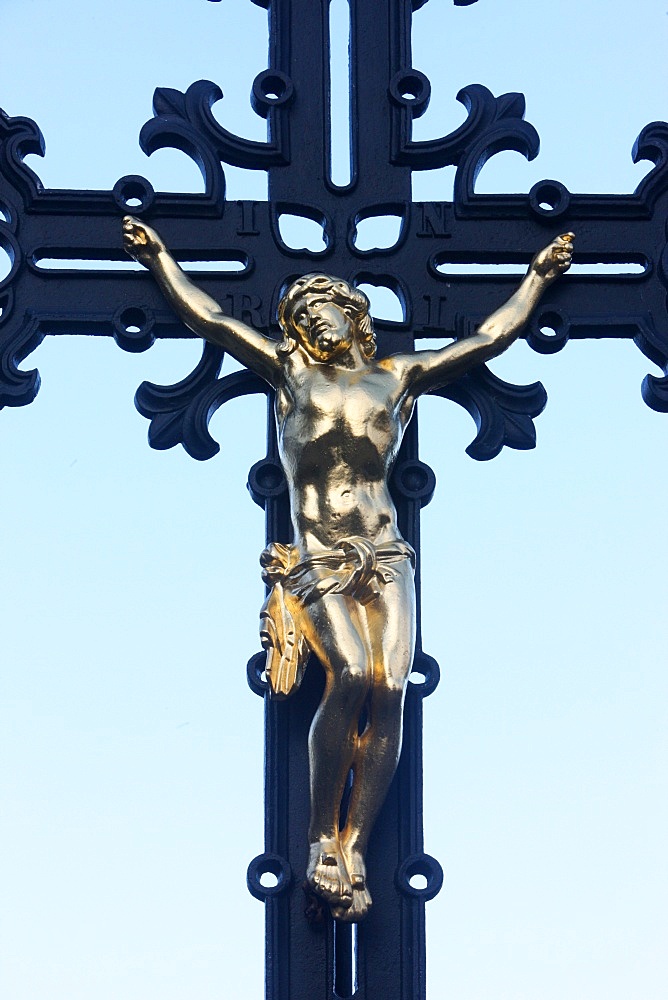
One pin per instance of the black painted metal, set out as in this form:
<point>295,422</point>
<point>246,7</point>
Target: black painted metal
<point>36,224</point>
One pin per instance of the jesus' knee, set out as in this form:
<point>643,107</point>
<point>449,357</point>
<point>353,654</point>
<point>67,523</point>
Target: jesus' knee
<point>388,695</point>
<point>352,683</point>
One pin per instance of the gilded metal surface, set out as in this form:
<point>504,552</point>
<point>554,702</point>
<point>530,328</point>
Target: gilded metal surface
<point>344,589</point>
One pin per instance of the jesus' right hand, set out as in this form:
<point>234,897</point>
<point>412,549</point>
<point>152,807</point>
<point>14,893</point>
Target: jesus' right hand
<point>554,259</point>
<point>140,241</point>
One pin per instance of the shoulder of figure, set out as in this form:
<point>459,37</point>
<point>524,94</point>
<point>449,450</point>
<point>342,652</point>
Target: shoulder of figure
<point>293,362</point>
<point>396,364</point>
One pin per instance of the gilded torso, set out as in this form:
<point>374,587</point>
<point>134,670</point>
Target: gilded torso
<point>339,431</point>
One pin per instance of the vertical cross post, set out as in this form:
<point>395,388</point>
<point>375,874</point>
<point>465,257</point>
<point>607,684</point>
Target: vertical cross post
<point>307,954</point>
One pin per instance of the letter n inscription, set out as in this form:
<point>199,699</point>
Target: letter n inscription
<point>433,219</point>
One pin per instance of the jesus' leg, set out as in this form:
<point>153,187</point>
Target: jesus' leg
<point>391,628</point>
<point>337,636</point>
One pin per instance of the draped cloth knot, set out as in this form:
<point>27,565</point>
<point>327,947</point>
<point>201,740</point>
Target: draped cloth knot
<point>356,568</point>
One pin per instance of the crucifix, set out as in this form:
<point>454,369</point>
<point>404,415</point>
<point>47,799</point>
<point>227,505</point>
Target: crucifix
<point>389,93</point>
<point>344,588</point>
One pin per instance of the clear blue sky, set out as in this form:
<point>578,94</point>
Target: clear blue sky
<point>132,747</point>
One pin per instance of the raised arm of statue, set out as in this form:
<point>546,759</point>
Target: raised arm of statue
<point>427,370</point>
<point>199,311</point>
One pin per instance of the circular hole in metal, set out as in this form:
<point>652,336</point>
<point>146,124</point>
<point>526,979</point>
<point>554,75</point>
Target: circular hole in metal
<point>551,325</point>
<point>273,87</point>
<point>268,875</point>
<point>419,876</point>
<point>411,89</point>
<point>415,677</point>
<point>256,674</point>
<point>424,675</point>
<point>549,198</point>
<point>133,194</point>
<point>133,328</point>
<point>548,332</point>
<point>133,320</point>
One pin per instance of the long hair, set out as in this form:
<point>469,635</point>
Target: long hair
<point>354,304</point>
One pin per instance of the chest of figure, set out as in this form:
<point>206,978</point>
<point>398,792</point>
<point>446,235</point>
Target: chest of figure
<point>354,405</point>
<point>337,427</point>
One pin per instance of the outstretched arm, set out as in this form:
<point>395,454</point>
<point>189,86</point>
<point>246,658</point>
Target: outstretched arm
<point>199,311</point>
<point>427,370</point>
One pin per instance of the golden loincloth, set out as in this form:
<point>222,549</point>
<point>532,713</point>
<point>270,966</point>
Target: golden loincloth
<point>356,567</point>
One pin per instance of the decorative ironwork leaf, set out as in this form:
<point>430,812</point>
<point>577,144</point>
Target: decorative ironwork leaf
<point>18,387</point>
<point>503,413</point>
<point>510,106</point>
<point>165,405</point>
<point>167,102</point>
<point>180,413</point>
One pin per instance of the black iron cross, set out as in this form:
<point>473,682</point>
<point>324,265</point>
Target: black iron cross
<point>305,958</point>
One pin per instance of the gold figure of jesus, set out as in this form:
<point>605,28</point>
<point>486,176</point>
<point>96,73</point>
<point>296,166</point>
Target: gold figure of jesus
<point>344,588</point>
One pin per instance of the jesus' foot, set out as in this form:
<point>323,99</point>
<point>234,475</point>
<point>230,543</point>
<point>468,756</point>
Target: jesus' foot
<point>361,903</point>
<point>327,874</point>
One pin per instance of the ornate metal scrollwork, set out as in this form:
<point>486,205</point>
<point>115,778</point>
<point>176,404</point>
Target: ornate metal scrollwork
<point>430,231</point>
